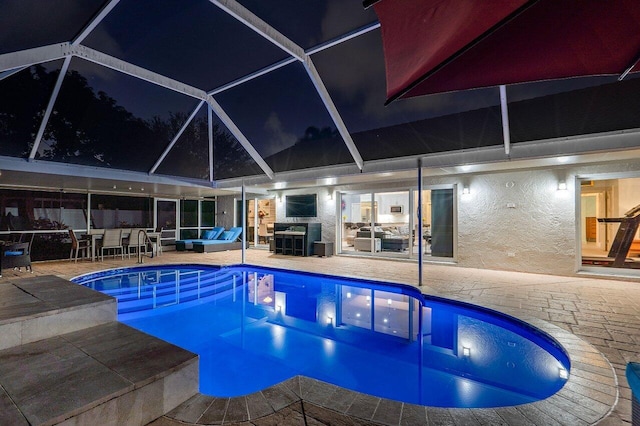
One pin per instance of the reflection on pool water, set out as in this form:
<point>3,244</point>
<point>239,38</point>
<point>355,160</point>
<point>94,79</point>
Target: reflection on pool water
<point>254,327</point>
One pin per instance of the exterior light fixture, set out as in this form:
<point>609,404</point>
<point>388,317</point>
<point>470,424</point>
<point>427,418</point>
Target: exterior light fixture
<point>466,190</point>
<point>349,295</point>
<point>278,308</point>
<point>466,351</point>
<point>563,373</point>
<point>329,320</point>
<point>562,186</point>
<point>389,301</point>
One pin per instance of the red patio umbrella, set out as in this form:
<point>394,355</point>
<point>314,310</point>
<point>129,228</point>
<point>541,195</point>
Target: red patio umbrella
<point>433,46</point>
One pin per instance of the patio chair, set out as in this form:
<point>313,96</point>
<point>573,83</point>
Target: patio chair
<point>83,246</point>
<point>18,255</point>
<point>139,243</point>
<point>112,240</point>
<point>156,240</point>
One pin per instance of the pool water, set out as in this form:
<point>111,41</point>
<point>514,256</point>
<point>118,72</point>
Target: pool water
<point>254,327</point>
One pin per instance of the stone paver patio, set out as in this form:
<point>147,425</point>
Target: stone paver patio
<point>603,313</point>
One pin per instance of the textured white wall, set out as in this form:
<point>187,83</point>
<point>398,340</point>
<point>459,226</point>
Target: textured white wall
<point>517,221</point>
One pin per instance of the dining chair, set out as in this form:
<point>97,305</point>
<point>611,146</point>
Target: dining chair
<point>81,245</point>
<point>136,241</point>
<point>112,240</point>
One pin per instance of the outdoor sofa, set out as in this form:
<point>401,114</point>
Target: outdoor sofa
<point>227,240</point>
<point>214,233</point>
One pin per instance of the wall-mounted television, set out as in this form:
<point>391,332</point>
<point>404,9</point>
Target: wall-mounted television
<point>395,209</point>
<point>301,205</point>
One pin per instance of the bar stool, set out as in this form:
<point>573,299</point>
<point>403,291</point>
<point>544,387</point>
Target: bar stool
<point>298,245</point>
<point>287,244</point>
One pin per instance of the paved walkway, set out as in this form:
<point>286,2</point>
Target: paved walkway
<point>603,312</point>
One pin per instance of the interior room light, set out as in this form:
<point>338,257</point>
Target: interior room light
<point>466,190</point>
<point>267,299</point>
<point>466,351</point>
<point>562,186</point>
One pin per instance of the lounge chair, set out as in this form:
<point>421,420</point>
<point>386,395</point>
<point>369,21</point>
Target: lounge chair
<point>228,240</point>
<point>214,233</point>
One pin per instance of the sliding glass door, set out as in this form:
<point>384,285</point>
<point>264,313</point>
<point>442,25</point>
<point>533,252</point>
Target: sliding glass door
<point>386,223</point>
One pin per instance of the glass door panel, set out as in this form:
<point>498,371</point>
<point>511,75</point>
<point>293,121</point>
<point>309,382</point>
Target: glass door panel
<point>167,219</point>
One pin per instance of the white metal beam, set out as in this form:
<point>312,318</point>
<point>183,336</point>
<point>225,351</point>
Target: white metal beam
<point>136,71</point>
<point>256,24</point>
<point>94,23</point>
<point>175,139</point>
<point>37,55</point>
<point>288,61</point>
<point>342,39</point>
<point>210,126</point>
<point>47,113</point>
<point>44,168</point>
<point>333,112</point>
<point>245,16</point>
<point>504,108</point>
<point>253,75</point>
<point>9,73</point>
<point>222,115</point>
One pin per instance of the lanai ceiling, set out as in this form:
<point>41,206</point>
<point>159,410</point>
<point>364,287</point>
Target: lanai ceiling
<point>192,97</point>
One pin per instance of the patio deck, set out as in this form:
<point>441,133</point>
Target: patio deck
<point>590,316</point>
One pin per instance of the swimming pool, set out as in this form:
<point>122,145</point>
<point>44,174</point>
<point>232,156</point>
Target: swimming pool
<point>254,327</point>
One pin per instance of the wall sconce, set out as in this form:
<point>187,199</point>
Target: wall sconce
<point>329,320</point>
<point>466,351</point>
<point>278,308</point>
<point>330,195</point>
<point>562,186</point>
<point>466,190</point>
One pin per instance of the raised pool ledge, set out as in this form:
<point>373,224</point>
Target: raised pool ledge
<point>39,307</point>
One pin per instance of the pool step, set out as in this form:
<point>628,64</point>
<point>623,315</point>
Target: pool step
<point>65,359</point>
<point>146,297</point>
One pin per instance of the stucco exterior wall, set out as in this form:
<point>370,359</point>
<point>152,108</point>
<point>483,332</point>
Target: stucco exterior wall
<point>517,221</point>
